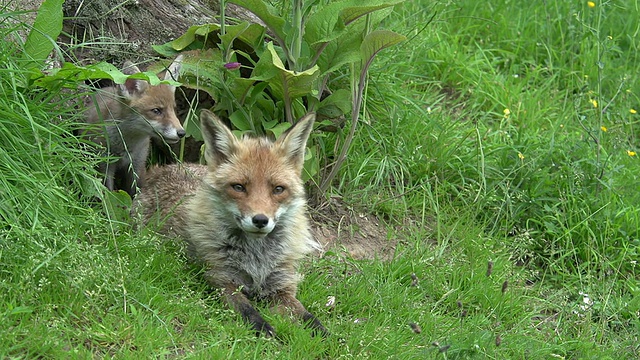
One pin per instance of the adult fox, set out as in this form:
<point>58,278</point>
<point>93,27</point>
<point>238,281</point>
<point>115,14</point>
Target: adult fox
<point>132,113</point>
<point>243,215</point>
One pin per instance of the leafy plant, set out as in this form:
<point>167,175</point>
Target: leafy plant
<point>256,82</point>
<point>42,37</point>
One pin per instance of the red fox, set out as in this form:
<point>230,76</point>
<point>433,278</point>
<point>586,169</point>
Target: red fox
<point>243,215</point>
<point>132,113</point>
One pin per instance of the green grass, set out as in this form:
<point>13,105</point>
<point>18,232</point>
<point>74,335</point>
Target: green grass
<point>544,194</point>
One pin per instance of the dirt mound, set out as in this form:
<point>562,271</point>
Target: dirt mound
<point>341,229</point>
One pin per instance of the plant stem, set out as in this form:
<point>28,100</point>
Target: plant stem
<point>288,106</point>
<point>223,5</point>
<point>357,97</point>
<point>355,117</point>
<point>296,46</point>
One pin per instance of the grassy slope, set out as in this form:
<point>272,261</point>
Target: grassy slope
<point>79,285</point>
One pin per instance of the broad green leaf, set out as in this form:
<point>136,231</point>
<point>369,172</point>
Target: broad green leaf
<point>42,37</point>
<point>278,129</point>
<point>262,100</point>
<point>331,21</point>
<point>336,104</point>
<point>311,163</point>
<point>257,120</point>
<point>265,69</point>
<point>189,37</point>
<point>254,36</point>
<point>269,124</point>
<point>323,25</point>
<point>202,70</point>
<point>296,84</point>
<point>376,41</point>
<point>240,121</point>
<point>257,92</point>
<point>240,88</point>
<point>342,51</point>
<point>165,50</point>
<point>351,14</point>
<point>192,127</point>
<point>250,34</point>
<point>299,108</point>
<point>73,74</point>
<point>275,23</point>
<point>275,59</point>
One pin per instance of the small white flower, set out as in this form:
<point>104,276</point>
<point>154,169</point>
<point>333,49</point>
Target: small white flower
<point>331,301</point>
<point>586,300</point>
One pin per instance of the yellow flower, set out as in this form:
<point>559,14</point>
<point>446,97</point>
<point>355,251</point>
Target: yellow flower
<point>591,4</point>
<point>631,153</point>
<point>633,111</point>
<point>520,156</point>
<point>506,112</point>
<point>603,128</point>
<point>594,102</point>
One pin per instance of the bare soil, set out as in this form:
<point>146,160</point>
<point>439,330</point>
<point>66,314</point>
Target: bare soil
<point>358,235</point>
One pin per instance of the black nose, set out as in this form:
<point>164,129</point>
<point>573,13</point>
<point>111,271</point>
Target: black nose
<point>260,221</point>
<point>181,133</point>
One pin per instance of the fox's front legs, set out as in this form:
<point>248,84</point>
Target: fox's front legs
<point>240,303</point>
<point>288,304</point>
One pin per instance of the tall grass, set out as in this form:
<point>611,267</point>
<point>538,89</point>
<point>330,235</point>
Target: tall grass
<point>59,258</point>
<point>527,119</point>
<point>522,116</point>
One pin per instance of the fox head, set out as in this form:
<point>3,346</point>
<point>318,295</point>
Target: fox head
<point>156,104</point>
<point>256,181</point>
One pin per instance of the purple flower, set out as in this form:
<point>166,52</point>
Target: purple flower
<point>232,66</point>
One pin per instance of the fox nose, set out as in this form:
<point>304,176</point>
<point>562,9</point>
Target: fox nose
<point>181,133</point>
<point>260,221</point>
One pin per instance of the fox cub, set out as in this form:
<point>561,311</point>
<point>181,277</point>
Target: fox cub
<point>132,113</point>
<point>243,215</point>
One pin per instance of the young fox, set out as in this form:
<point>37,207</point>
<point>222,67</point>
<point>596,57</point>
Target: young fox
<point>132,113</point>
<point>243,215</point>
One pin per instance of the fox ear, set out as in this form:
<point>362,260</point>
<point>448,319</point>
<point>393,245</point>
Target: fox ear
<point>131,87</point>
<point>220,143</point>
<point>173,71</point>
<point>129,68</point>
<point>294,141</point>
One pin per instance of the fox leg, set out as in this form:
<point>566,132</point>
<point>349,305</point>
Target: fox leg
<point>288,304</point>
<point>240,303</point>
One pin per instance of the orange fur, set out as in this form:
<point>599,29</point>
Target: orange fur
<point>132,113</point>
<point>243,215</point>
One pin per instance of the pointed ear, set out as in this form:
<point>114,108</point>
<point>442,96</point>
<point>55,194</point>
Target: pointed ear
<point>173,71</point>
<point>220,143</point>
<point>129,68</point>
<point>294,141</point>
<point>132,87</point>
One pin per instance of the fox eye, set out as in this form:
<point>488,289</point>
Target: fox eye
<point>238,187</point>
<point>156,111</point>
<point>278,190</point>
